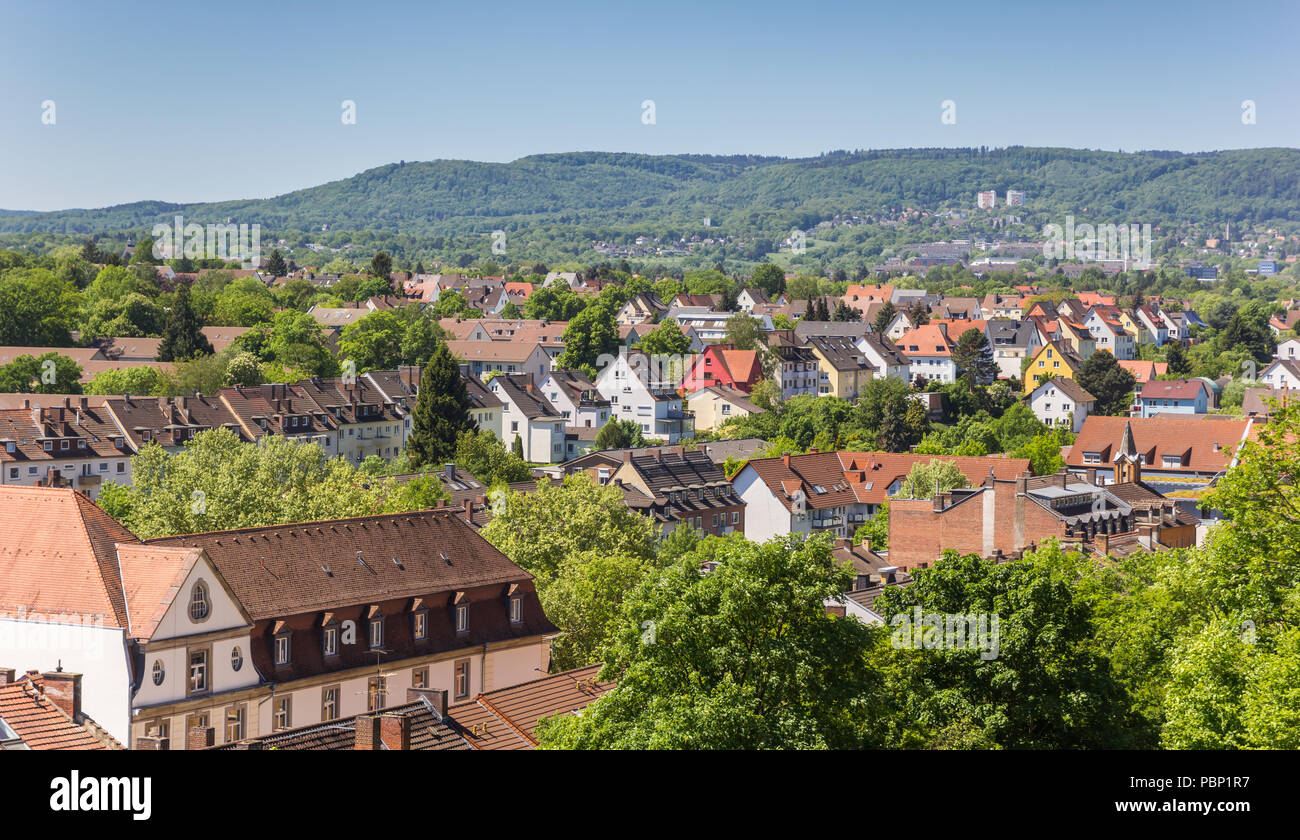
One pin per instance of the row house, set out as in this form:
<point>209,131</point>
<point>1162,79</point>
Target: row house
<point>681,488</point>
<point>528,417</point>
<point>170,422</point>
<point>401,387</point>
<point>639,392</point>
<point>365,421</point>
<point>837,492</point>
<point>73,444</point>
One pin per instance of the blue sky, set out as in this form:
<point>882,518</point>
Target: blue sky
<point>210,101</point>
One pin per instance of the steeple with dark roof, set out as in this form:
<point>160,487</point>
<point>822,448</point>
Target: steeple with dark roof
<point>1128,466</point>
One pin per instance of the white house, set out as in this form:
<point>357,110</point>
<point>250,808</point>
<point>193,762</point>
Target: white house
<point>1062,402</point>
<point>529,417</point>
<point>1289,349</point>
<point>575,396</point>
<point>1281,373</point>
<point>884,357</point>
<point>929,353</point>
<point>1109,335</point>
<point>645,396</point>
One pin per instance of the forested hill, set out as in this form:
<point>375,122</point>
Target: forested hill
<point>741,192</point>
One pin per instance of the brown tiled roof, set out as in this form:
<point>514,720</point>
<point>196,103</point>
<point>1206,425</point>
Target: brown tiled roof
<point>864,477</point>
<point>42,725</point>
<point>1192,437</point>
<point>492,351</point>
<point>507,718</point>
<point>277,570</point>
<point>1070,388</point>
<point>171,420</point>
<point>428,732</point>
<point>58,555</point>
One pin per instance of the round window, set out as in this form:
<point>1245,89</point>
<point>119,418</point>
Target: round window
<point>158,672</point>
<point>236,658</point>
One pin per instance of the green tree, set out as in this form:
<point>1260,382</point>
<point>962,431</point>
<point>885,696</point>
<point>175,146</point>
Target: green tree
<point>145,381</point>
<point>973,358</point>
<point>590,334</point>
<point>517,447</point>
<point>666,339</point>
<point>374,342</point>
<point>1101,376</point>
<point>884,316</point>
<point>275,264</point>
<point>182,335</point>
<point>1176,356</point>
<point>746,332</point>
<point>935,476</point>
<point>744,657</point>
<point>40,310</point>
<point>49,373</point>
<point>441,412</point>
<point>768,277</point>
<point>486,458</point>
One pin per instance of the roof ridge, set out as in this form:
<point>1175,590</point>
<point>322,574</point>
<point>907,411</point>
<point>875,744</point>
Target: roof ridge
<point>444,511</point>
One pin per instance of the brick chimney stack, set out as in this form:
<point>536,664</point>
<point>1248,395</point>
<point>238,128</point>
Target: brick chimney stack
<point>395,731</point>
<point>63,688</point>
<point>200,737</point>
<point>367,732</point>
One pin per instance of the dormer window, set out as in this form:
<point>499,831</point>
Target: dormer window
<point>330,641</point>
<point>462,618</point>
<point>283,652</point>
<point>49,446</point>
<point>81,444</point>
<point>376,632</point>
<point>63,445</point>
<point>420,624</point>
<point>516,610</point>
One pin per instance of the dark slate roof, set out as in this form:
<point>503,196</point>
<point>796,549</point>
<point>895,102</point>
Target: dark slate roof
<point>518,388</point>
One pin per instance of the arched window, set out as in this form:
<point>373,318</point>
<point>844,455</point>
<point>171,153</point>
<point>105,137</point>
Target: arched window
<point>158,672</point>
<point>199,606</point>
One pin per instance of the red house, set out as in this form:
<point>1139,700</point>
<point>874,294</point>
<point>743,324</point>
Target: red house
<point>722,364</point>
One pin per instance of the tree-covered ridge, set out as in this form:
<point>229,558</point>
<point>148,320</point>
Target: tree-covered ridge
<point>739,193</point>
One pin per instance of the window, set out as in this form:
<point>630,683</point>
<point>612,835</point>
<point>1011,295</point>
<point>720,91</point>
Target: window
<point>121,466</point>
<point>159,729</point>
<point>159,672</point>
<point>236,658</point>
<point>516,610</point>
<point>377,632</point>
<point>330,641</point>
<point>462,679</point>
<point>282,650</point>
<point>329,702</point>
<point>462,618</point>
<point>420,677</point>
<point>234,723</point>
<point>63,444</point>
<point>283,718</point>
<point>376,693</point>
<point>198,671</point>
<point>735,517</point>
<point>420,624</point>
<point>199,606</point>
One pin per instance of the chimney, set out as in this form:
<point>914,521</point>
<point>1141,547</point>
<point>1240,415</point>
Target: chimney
<point>200,737</point>
<point>1092,475</point>
<point>449,470</point>
<point>866,543</point>
<point>469,511</point>
<point>151,743</point>
<point>63,688</point>
<point>7,675</point>
<point>786,458</point>
<point>367,729</point>
<point>395,731</point>
<point>85,403</point>
<point>437,698</point>
<point>627,456</point>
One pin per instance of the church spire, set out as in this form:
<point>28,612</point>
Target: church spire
<point>1127,464</point>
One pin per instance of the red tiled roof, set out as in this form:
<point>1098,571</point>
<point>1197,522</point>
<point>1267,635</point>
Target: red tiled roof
<point>927,341</point>
<point>1192,437</point>
<point>58,555</point>
<point>507,718</point>
<point>42,725</point>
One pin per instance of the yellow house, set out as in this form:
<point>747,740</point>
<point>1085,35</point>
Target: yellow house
<point>1129,321</point>
<point>1078,338</point>
<point>843,370</point>
<point>1056,358</point>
